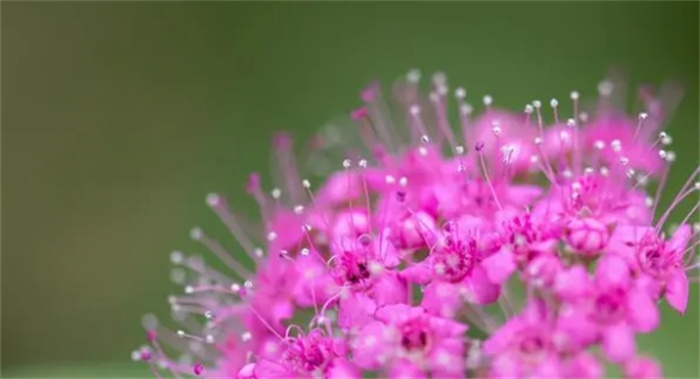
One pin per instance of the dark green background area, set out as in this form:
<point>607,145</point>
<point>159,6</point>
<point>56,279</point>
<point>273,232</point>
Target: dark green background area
<point>119,117</point>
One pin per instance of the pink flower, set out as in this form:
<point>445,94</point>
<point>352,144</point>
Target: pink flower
<point>649,255</point>
<point>402,242</point>
<point>413,340</point>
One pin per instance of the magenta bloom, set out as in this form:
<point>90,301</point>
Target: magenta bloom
<point>402,258</point>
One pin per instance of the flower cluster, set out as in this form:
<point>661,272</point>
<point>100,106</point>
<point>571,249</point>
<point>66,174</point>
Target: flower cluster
<point>503,247</point>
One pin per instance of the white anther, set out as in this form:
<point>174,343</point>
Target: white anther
<point>390,179</point>
<point>459,149</point>
<point>299,209</point>
<point>648,201</point>
<point>488,100</point>
<point>362,163</point>
<point>235,287</point>
<point>424,138</point>
<point>553,103</point>
<point>571,123</point>
<point>403,181</point>
<point>271,236</point>
<point>643,116</point>
<point>213,200</point>
<point>414,109</point>
<point>176,257</point>
<point>196,233</point>
<point>496,129</point>
<point>189,289</point>
<point>538,141</point>
<point>413,76</point>
<point>276,193</point>
<point>347,163</point>
<point>248,284</point>
<point>258,252</point>
<point>604,171</point>
<point>670,156</point>
<point>697,186</point>
<point>605,88</point>
<point>624,160</point>
<point>305,252</point>
<point>246,336</point>
<point>465,109</point>
<point>529,109</point>
<point>460,93</point>
<point>583,116</point>
<point>537,104</point>
<point>209,338</point>
<point>574,95</point>
<point>180,333</point>
<point>588,170</point>
<point>564,136</point>
<point>305,183</point>
<point>599,145</point>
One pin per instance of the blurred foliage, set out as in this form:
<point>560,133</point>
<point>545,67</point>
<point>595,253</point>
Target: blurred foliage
<point>119,117</point>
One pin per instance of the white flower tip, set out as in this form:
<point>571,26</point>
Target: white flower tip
<point>196,233</point>
<point>213,200</point>
<point>605,88</point>
<point>413,75</point>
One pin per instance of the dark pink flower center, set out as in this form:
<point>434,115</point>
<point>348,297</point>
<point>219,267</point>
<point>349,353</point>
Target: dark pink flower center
<point>532,346</point>
<point>455,259</point>
<point>653,257</point>
<point>609,306</point>
<point>414,335</point>
<point>308,353</point>
<point>353,269</point>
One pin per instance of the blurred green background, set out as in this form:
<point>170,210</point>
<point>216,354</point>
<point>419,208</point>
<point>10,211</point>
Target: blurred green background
<point>119,117</point>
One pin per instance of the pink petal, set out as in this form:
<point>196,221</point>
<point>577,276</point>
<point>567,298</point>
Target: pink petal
<point>342,369</point>
<point>389,288</point>
<point>480,288</point>
<point>618,342</point>
<point>418,273</point>
<point>445,327</point>
<point>677,291</point>
<point>523,194</point>
<point>442,299</point>
<point>370,345</point>
<point>572,283</point>
<point>680,239</point>
<point>642,311</point>
<point>355,311</point>
<point>340,187</point>
<point>547,368</point>
<point>268,369</point>
<point>612,272</point>
<point>499,266</point>
<point>585,366</point>
<point>643,368</point>
<point>405,369</point>
<point>396,313</point>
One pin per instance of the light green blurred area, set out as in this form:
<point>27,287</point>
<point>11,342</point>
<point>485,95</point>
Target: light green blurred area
<point>119,117</point>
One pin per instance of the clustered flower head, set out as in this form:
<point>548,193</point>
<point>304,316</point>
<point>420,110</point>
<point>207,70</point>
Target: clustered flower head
<point>504,247</point>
